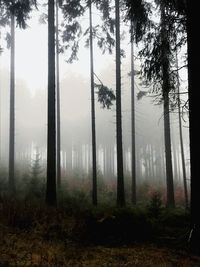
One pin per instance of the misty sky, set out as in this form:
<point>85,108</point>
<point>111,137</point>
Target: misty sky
<point>31,79</point>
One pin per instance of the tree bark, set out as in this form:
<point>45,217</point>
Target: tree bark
<point>11,175</point>
<point>166,89</point>
<point>94,160</point>
<point>51,198</point>
<point>133,153</point>
<point>193,82</point>
<point>120,171</point>
<point>58,165</point>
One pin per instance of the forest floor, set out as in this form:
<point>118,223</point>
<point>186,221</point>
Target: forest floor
<point>35,235</point>
<point>27,249</point>
<point>20,248</point>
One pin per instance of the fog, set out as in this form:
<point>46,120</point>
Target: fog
<point>31,114</point>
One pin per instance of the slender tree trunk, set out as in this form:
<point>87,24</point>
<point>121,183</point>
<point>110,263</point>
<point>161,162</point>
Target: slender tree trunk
<point>94,160</point>
<point>166,89</point>
<point>120,171</point>
<point>11,175</point>
<point>58,165</point>
<point>181,139</point>
<point>51,198</point>
<point>174,148</point>
<point>168,155</point>
<point>133,158</point>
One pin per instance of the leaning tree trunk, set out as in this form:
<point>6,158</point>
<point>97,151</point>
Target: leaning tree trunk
<point>51,131</point>
<point>133,153</point>
<point>193,82</point>
<point>166,89</point>
<point>120,172</point>
<point>11,178</point>
<point>58,165</point>
<point>94,160</point>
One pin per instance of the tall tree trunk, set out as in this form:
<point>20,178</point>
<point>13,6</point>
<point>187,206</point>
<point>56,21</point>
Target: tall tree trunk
<point>11,178</point>
<point>120,172</point>
<point>58,165</point>
<point>168,154</point>
<point>133,153</point>
<point>166,89</point>
<point>181,138</point>
<point>193,80</point>
<point>94,163</point>
<point>51,198</point>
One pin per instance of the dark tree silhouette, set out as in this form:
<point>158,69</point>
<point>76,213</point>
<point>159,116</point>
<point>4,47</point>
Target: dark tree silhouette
<point>133,152</point>
<point>94,160</point>
<point>193,80</point>
<point>11,179</point>
<point>58,165</point>
<point>165,65</point>
<point>51,197</point>
<point>120,171</point>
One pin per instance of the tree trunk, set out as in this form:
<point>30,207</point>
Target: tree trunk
<point>133,158</point>
<point>168,155</point>
<point>166,89</point>
<point>51,197</point>
<point>193,80</point>
<point>181,140</point>
<point>11,175</point>
<point>58,165</point>
<point>94,167</point>
<point>120,172</point>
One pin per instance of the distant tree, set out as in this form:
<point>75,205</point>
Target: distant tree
<point>51,196</point>
<point>36,168</point>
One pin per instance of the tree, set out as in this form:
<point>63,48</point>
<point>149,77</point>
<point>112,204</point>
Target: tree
<point>58,165</point>
<point>193,82</point>
<point>11,179</point>
<point>166,87</point>
<point>71,36</point>
<point>94,164</point>
<point>120,171</point>
<point>51,197</point>
<point>11,10</point>
<point>133,152</point>
<point>181,138</point>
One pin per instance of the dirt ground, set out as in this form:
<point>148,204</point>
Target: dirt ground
<point>27,249</point>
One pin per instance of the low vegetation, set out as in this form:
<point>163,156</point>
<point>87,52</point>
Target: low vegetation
<point>77,234</point>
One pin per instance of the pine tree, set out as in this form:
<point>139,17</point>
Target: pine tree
<point>120,171</point>
<point>11,178</point>
<point>51,197</point>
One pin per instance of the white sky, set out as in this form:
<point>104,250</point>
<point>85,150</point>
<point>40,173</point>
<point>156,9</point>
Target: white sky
<point>31,57</point>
